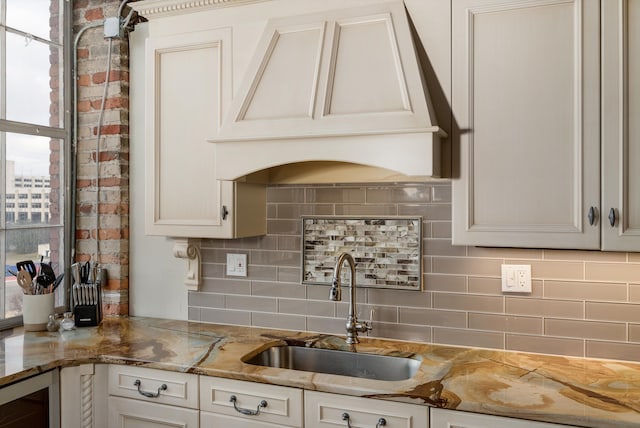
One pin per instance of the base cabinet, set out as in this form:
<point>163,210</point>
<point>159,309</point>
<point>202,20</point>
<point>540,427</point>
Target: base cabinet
<point>192,401</point>
<point>442,418</point>
<point>323,410</point>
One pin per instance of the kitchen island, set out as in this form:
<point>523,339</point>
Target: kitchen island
<point>564,390</point>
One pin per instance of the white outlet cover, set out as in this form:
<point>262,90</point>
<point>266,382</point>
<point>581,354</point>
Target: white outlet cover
<point>516,278</point>
<point>236,264</point>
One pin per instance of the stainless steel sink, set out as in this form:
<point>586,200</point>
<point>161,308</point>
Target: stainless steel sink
<point>331,361</point>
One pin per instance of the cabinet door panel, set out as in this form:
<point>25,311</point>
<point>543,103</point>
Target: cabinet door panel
<point>188,86</point>
<point>621,129</point>
<point>526,101</point>
<point>128,413</point>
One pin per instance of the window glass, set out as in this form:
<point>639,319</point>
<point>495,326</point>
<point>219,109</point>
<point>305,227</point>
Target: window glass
<point>33,91</point>
<point>33,17</point>
<point>33,165</point>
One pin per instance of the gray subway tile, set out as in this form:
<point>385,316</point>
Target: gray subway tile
<point>545,345</point>
<point>613,350</point>
<point>278,289</point>
<point>280,321</point>
<point>432,317</point>
<point>418,333</point>
<point>251,303</point>
<point>465,337</point>
<point>223,316</point>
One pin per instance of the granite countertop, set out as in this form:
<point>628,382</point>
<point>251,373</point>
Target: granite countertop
<point>566,390</point>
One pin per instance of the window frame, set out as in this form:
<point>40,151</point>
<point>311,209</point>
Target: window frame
<point>63,134</point>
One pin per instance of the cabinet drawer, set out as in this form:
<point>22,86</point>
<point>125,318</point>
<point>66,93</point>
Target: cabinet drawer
<point>326,410</point>
<point>127,413</point>
<point>283,405</point>
<point>181,388</point>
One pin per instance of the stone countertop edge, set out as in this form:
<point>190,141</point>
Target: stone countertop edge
<point>547,388</point>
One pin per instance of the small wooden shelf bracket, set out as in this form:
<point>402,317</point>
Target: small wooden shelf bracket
<point>189,249</point>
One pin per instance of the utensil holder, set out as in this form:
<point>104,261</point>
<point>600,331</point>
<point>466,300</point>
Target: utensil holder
<point>36,309</point>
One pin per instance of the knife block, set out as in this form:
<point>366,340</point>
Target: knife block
<point>88,315</point>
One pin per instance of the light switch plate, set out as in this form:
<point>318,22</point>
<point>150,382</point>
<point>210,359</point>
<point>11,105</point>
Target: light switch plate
<point>516,278</point>
<point>236,264</point>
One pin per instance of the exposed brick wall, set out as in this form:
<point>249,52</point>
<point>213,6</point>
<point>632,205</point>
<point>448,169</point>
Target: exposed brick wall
<point>113,230</point>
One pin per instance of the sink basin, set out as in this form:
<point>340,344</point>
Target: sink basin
<point>331,361</point>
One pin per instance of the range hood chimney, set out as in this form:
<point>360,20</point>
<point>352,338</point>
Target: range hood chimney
<point>338,87</point>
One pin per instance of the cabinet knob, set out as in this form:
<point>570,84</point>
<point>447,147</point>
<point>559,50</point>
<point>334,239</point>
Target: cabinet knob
<point>612,217</point>
<point>591,215</point>
<point>224,212</point>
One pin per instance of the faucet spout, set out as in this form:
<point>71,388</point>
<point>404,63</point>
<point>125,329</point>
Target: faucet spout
<point>353,327</point>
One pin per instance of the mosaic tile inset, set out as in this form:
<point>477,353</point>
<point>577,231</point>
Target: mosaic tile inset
<point>387,251</point>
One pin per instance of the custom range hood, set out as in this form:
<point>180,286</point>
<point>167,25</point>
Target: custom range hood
<point>338,92</point>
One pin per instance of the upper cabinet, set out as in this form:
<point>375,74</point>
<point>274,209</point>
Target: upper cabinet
<point>620,126</point>
<point>188,87</point>
<point>534,125</point>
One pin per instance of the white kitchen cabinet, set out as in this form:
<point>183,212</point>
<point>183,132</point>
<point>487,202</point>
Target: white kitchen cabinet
<point>83,392</point>
<point>147,398</point>
<point>443,418</point>
<point>234,403</point>
<point>188,86</point>
<point>526,102</point>
<point>620,127</point>
<point>332,410</point>
<point>546,159</point>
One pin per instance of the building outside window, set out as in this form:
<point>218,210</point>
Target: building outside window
<point>35,138</point>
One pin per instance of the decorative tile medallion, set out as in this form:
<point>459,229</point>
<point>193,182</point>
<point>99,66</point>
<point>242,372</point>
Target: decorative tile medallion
<point>387,251</point>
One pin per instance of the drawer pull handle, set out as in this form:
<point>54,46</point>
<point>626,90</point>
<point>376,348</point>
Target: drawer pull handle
<point>233,399</point>
<point>163,387</point>
<point>345,417</point>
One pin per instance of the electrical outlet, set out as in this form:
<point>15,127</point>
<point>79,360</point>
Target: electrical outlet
<point>236,264</point>
<point>516,278</point>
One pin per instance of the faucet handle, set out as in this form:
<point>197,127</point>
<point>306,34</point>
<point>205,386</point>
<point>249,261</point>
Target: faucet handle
<point>364,327</point>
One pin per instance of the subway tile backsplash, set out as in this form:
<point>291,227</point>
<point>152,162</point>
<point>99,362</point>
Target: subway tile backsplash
<point>584,303</point>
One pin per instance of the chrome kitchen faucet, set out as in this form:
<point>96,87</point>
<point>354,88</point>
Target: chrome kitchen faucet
<point>335,294</point>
